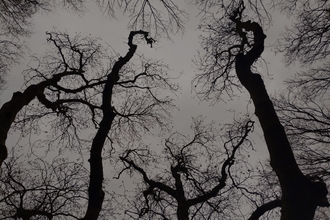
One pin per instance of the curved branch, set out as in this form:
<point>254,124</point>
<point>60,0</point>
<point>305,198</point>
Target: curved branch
<point>10,109</point>
<point>265,208</point>
<point>225,166</point>
<point>152,184</point>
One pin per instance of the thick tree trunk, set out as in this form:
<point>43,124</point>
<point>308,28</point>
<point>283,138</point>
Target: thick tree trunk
<point>183,211</point>
<point>95,191</point>
<point>300,196</point>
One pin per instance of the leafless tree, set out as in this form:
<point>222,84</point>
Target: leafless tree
<point>80,87</point>
<point>307,125</point>
<point>303,107</point>
<point>307,40</point>
<point>301,195</point>
<point>16,16</point>
<point>163,17</point>
<point>16,21</point>
<point>304,110</point>
<point>215,77</point>
<point>32,188</point>
<point>74,90</point>
<point>195,178</point>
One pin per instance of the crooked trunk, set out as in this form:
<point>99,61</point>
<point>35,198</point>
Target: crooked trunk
<point>95,191</point>
<point>300,196</point>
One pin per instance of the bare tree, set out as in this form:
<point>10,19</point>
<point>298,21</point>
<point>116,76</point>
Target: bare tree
<point>301,195</point>
<point>303,110</point>
<point>73,90</point>
<point>16,21</point>
<point>307,124</point>
<point>163,17</point>
<point>42,80</point>
<point>307,40</point>
<point>16,16</point>
<point>190,182</point>
<point>38,189</point>
<point>10,53</point>
<point>216,77</point>
<point>79,88</point>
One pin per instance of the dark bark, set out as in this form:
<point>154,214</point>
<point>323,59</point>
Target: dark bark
<point>300,195</point>
<point>28,214</point>
<point>10,109</point>
<point>183,211</point>
<point>177,193</point>
<point>183,206</point>
<point>181,173</point>
<point>95,191</point>
<point>265,208</point>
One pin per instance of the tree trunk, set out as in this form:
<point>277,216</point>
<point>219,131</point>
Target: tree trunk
<point>95,191</point>
<point>183,211</point>
<point>300,196</point>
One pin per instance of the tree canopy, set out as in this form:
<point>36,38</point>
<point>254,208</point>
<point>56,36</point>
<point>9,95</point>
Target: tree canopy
<point>96,127</point>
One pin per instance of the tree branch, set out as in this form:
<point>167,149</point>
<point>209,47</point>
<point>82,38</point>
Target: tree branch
<point>265,208</point>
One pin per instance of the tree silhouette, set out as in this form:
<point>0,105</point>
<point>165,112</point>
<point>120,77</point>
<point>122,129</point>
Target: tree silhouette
<point>196,181</point>
<point>300,194</point>
<point>75,93</point>
<point>95,102</point>
<point>302,107</point>
<point>16,22</point>
<point>40,189</point>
